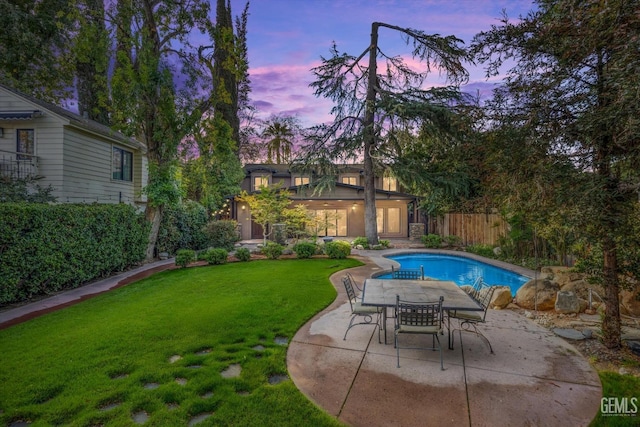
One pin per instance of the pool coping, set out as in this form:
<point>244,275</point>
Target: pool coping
<point>380,258</point>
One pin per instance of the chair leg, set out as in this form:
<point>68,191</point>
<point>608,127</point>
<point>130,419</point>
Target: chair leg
<point>467,327</point>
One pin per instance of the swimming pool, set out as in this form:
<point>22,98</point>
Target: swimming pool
<point>460,270</point>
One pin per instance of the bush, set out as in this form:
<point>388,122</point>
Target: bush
<point>243,254</point>
<point>432,241</point>
<point>384,243</point>
<point>216,256</point>
<point>222,234</point>
<point>452,240</point>
<point>183,227</point>
<point>338,249</point>
<point>184,257</point>
<point>482,250</point>
<point>48,248</point>
<point>304,249</point>
<point>272,250</point>
<point>360,241</point>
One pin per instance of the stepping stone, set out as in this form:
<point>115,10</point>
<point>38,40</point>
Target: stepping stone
<point>198,419</point>
<point>207,395</point>
<point>281,340</point>
<point>203,352</point>
<point>151,386</point>
<point>140,417</point>
<point>232,371</point>
<point>172,406</point>
<point>569,333</point>
<point>110,406</point>
<point>174,358</point>
<point>258,347</point>
<point>194,366</point>
<point>277,379</point>
<point>181,381</point>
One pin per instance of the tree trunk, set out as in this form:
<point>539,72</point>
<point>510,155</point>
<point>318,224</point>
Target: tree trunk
<point>611,322</point>
<point>369,137</point>
<point>153,214</point>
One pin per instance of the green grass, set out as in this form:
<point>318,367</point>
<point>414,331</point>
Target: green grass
<point>95,363</point>
<point>620,387</point>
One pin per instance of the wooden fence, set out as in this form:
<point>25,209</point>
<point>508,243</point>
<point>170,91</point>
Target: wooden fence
<point>473,229</point>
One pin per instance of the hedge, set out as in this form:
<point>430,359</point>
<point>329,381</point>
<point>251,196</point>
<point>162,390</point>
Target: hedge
<point>47,248</point>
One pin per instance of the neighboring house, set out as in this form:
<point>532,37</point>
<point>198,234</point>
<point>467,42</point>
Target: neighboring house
<point>82,160</point>
<point>342,207</point>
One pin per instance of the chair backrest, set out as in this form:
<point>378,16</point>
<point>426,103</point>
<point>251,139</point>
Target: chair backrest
<point>353,282</point>
<point>408,273</point>
<point>419,313</point>
<point>483,297</point>
<point>351,293</point>
<point>475,287</point>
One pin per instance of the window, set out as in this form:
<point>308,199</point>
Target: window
<point>122,164</point>
<point>328,222</point>
<point>26,144</point>
<point>300,180</point>
<point>389,184</point>
<point>388,220</point>
<point>260,181</point>
<point>350,179</point>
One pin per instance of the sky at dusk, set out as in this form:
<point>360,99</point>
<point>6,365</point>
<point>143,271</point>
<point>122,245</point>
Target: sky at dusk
<point>287,38</point>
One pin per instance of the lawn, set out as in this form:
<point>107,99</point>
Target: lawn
<point>156,350</point>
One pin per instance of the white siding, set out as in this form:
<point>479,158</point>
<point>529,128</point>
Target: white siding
<point>75,162</point>
<point>87,171</point>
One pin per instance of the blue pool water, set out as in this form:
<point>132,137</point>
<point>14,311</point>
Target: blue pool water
<point>460,270</point>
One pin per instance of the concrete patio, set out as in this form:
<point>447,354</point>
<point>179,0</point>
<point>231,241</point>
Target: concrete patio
<point>534,378</point>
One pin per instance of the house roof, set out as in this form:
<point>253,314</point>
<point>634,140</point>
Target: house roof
<point>73,119</point>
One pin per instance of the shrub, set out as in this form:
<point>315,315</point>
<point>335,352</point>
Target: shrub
<point>272,250</point>
<point>384,243</point>
<point>338,249</point>
<point>222,234</point>
<point>482,250</point>
<point>184,257</point>
<point>243,254</point>
<point>183,227</point>
<point>304,249</point>
<point>360,241</point>
<point>432,241</point>
<point>452,240</point>
<point>216,256</point>
<point>47,248</point>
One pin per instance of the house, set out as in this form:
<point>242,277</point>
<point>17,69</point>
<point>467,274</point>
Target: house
<point>83,161</point>
<point>341,208</point>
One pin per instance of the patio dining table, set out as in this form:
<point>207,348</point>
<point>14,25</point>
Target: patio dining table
<point>382,293</point>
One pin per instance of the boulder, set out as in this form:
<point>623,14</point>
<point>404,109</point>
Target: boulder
<point>537,294</point>
<point>630,302</point>
<point>567,302</point>
<point>501,297</point>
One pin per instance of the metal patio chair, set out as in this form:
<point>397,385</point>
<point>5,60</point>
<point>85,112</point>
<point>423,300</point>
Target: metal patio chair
<point>468,321</point>
<point>407,273</point>
<point>361,312</point>
<point>418,318</point>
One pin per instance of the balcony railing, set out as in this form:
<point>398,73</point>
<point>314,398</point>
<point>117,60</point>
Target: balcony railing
<point>18,165</point>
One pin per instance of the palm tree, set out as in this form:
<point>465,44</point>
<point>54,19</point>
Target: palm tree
<point>279,135</point>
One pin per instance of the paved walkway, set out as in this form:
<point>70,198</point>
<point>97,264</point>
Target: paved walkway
<point>534,378</point>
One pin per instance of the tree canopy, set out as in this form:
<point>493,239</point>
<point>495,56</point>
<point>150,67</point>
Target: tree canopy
<point>370,106</point>
<point>565,125</point>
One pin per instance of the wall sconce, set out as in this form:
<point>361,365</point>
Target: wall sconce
<point>353,207</point>
<point>243,207</point>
